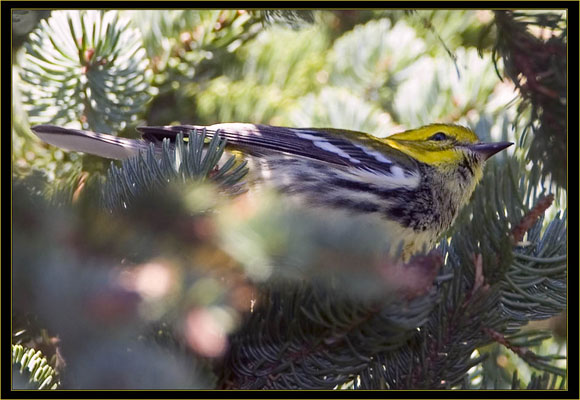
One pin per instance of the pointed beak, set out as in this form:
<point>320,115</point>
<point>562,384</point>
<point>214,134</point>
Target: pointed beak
<point>489,149</point>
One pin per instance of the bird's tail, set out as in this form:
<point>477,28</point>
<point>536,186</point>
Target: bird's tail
<point>99,144</point>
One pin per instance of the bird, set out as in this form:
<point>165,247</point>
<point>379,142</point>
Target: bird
<point>415,182</point>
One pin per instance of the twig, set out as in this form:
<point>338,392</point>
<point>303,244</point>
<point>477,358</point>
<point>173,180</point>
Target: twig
<point>531,217</point>
<point>523,352</point>
<point>479,279</point>
<point>80,186</point>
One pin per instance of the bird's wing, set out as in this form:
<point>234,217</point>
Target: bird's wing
<point>347,149</point>
<point>318,144</point>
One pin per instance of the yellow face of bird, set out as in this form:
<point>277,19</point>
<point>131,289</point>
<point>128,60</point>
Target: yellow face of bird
<point>437,145</point>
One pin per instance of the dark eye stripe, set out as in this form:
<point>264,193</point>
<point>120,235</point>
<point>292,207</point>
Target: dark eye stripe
<point>439,136</point>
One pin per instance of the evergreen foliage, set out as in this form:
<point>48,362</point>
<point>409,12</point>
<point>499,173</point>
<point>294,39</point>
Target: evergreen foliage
<point>87,67</point>
<point>537,66</point>
<point>181,163</point>
<point>156,274</point>
<point>41,374</point>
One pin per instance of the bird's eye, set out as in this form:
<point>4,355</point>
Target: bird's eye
<point>439,136</point>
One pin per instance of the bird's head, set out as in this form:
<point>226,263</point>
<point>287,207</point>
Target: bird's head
<point>446,148</point>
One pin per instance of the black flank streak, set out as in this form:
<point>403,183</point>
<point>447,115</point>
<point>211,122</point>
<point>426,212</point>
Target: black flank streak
<point>305,177</point>
<point>398,212</point>
<point>355,205</point>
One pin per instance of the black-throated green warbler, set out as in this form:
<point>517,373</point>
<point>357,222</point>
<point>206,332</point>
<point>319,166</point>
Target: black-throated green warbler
<point>415,181</point>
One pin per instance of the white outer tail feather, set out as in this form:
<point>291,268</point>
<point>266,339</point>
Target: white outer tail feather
<point>98,144</point>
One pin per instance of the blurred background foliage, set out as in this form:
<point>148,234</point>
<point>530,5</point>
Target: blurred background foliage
<point>191,288</point>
